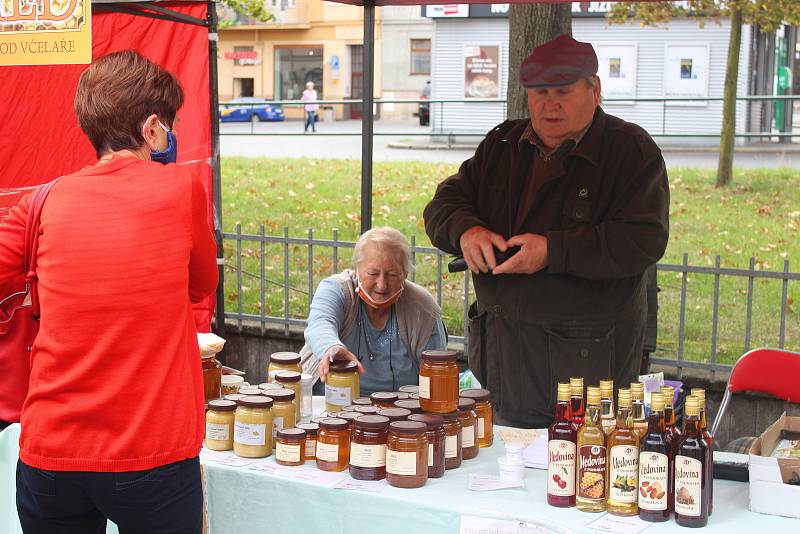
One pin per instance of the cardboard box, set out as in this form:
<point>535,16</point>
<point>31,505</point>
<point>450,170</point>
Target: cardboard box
<point>769,493</point>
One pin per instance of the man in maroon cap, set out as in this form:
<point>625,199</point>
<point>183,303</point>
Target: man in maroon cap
<point>582,199</point>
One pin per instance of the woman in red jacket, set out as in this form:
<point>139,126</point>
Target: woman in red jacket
<point>113,422</point>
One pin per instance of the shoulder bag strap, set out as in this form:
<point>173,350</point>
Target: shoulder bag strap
<point>32,241</point>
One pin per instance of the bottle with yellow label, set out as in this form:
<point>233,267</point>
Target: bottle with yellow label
<point>592,457</point>
<point>623,461</point>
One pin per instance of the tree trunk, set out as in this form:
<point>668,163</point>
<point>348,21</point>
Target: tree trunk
<point>728,133</point>
<point>530,25</point>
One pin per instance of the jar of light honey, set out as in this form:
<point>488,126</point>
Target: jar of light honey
<point>283,361</point>
<point>333,444</point>
<point>342,385</point>
<point>219,425</point>
<point>252,433</point>
<point>290,447</point>
<point>290,380</point>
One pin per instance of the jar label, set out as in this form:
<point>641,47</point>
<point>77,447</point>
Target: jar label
<point>561,467</point>
<point>424,387</point>
<point>245,434</point>
<point>287,453</point>
<point>592,472</point>
<point>327,453</point>
<point>451,446</point>
<point>277,424</point>
<point>401,463</point>
<point>311,448</point>
<point>468,436</point>
<point>215,431</point>
<point>338,396</point>
<point>481,428</point>
<point>688,486</point>
<point>430,454</point>
<point>367,455</point>
<point>653,476</point>
<point>623,473</point>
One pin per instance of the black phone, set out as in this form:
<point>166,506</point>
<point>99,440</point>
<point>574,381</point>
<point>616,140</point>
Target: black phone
<point>459,264</point>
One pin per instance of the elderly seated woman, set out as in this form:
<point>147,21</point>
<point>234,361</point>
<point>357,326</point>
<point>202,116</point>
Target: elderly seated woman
<point>375,316</point>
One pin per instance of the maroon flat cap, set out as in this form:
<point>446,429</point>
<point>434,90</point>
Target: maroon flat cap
<point>561,61</point>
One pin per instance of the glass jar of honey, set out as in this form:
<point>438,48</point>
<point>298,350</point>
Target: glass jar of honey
<point>436,436</point>
<point>333,444</point>
<point>219,425</point>
<point>395,414</point>
<point>469,421</point>
<point>290,447</point>
<point>212,378</point>
<point>252,436</point>
<point>368,448</point>
<point>452,440</point>
<point>283,410</point>
<point>438,381</point>
<point>407,454</point>
<point>283,361</point>
<point>311,429</point>
<point>411,405</point>
<point>483,409</point>
<point>290,380</point>
<point>383,399</point>
<point>342,385</point>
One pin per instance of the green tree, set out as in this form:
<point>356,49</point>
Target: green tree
<point>766,15</point>
<point>254,9</point>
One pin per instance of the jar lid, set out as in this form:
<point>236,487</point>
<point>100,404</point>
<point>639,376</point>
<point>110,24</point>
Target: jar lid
<point>284,358</point>
<point>383,396</point>
<point>281,395</point>
<point>208,356</point>
<point>433,421</point>
<point>348,416</point>
<point>409,389</point>
<point>407,427</point>
<point>349,408</point>
<point>221,405</point>
<point>395,414</point>
<point>414,396</point>
<point>255,401</point>
<point>450,416</point>
<point>317,420</point>
<point>372,422</point>
<point>402,395</point>
<point>465,405</point>
<point>233,397</point>
<point>366,410</point>
<point>333,423</point>
<point>344,366</point>
<point>269,385</point>
<point>439,355</point>
<point>362,401</point>
<point>478,395</point>
<point>409,404</point>
<point>287,376</point>
<point>249,391</point>
<point>291,433</point>
<point>310,428</point>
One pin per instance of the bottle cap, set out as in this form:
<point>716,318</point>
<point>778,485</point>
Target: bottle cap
<point>692,407</point>
<point>656,402</point>
<point>624,397</point>
<point>564,392</point>
<point>576,386</point>
<point>593,396</point>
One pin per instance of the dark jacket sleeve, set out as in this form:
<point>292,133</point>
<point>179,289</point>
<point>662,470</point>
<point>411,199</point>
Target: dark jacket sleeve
<point>453,209</point>
<point>632,237</point>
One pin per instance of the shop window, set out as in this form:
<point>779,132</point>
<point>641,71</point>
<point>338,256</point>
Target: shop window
<point>294,67</point>
<point>420,56</point>
<point>243,87</point>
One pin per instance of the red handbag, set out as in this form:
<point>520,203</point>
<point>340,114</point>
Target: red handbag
<point>19,318</point>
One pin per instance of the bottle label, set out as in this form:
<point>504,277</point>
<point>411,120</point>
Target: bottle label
<point>451,446</point>
<point>327,453</point>
<point>215,431</point>
<point>592,472</point>
<point>277,424</point>
<point>623,473</point>
<point>401,463</point>
<point>430,454</point>
<point>245,434</point>
<point>468,436</point>
<point>561,468</point>
<point>311,448</point>
<point>338,396</point>
<point>424,387</point>
<point>653,477</point>
<point>287,453</point>
<point>481,428</point>
<point>367,455</point>
<point>688,486</point>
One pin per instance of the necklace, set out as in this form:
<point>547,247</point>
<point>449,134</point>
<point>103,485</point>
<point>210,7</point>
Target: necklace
<point>384,340</point>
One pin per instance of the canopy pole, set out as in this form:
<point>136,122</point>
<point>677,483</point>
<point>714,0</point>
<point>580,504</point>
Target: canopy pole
<point>366,116</point>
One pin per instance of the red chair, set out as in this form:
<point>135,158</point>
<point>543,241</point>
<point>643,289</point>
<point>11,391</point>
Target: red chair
<point>775,372</point>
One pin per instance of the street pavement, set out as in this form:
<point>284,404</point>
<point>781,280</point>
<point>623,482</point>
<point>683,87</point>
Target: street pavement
<point>407,141</point>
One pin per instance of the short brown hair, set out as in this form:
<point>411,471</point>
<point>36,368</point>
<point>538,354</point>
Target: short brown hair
<point>117,93</point>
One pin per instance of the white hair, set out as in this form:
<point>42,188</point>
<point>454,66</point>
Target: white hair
<point>387,240</point>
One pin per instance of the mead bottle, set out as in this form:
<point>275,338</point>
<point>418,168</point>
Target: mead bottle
<point>562,443</point>
<point>591,457</point>
<point>623,461</point>
<point>673,434</point>
<point>700,393</point>
<point>654,465</point>
<point>692,485</point>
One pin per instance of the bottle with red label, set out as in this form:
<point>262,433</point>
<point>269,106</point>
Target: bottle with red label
<point>562,444</point>
<point>576,404</point>
<point>655,458</point>
<point>692,484</point>
<point>591,477</point>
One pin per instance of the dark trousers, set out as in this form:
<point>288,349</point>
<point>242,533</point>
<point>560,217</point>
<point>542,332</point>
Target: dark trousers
<point>164,500</point>
<point>311,120</point>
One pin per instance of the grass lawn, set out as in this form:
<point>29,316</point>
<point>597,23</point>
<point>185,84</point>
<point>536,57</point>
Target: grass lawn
<point>758,217</point>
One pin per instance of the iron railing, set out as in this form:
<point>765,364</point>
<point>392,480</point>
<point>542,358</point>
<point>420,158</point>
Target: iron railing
<point>246,256</point>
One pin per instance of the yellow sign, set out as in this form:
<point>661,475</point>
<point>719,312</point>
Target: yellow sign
<point>45,32</point>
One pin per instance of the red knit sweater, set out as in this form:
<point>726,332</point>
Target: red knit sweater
<point>116,383</point>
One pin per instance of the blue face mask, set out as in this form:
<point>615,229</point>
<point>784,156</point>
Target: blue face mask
<point>169,154</point>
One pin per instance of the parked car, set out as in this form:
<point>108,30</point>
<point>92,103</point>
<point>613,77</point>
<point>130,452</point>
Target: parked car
<point>425,109</point>
<point>250,109</point>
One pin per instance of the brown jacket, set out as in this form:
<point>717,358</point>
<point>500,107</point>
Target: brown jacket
<point>606,221</point>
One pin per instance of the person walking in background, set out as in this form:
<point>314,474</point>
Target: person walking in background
<point>310,95</point>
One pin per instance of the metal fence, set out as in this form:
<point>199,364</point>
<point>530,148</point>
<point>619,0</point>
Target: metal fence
<point>299,271</point>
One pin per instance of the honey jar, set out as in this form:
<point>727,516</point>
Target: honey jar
<point>290,447</point>
<point>311,429</point>
<point>283,361</point>
<point>342,385</point>
<point>290,380</point>
<point>483,409</point>
<point>333,444</point>
<point>219,425</point>
<point>283,410</point>
<point>452,440</point>
<point>368,448</point>
<point>466,414</point>
<point>436,436</point>
<point>407,454</point>
<point>252,436</point>
<point>212,378</point>
<point>438,381</point>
